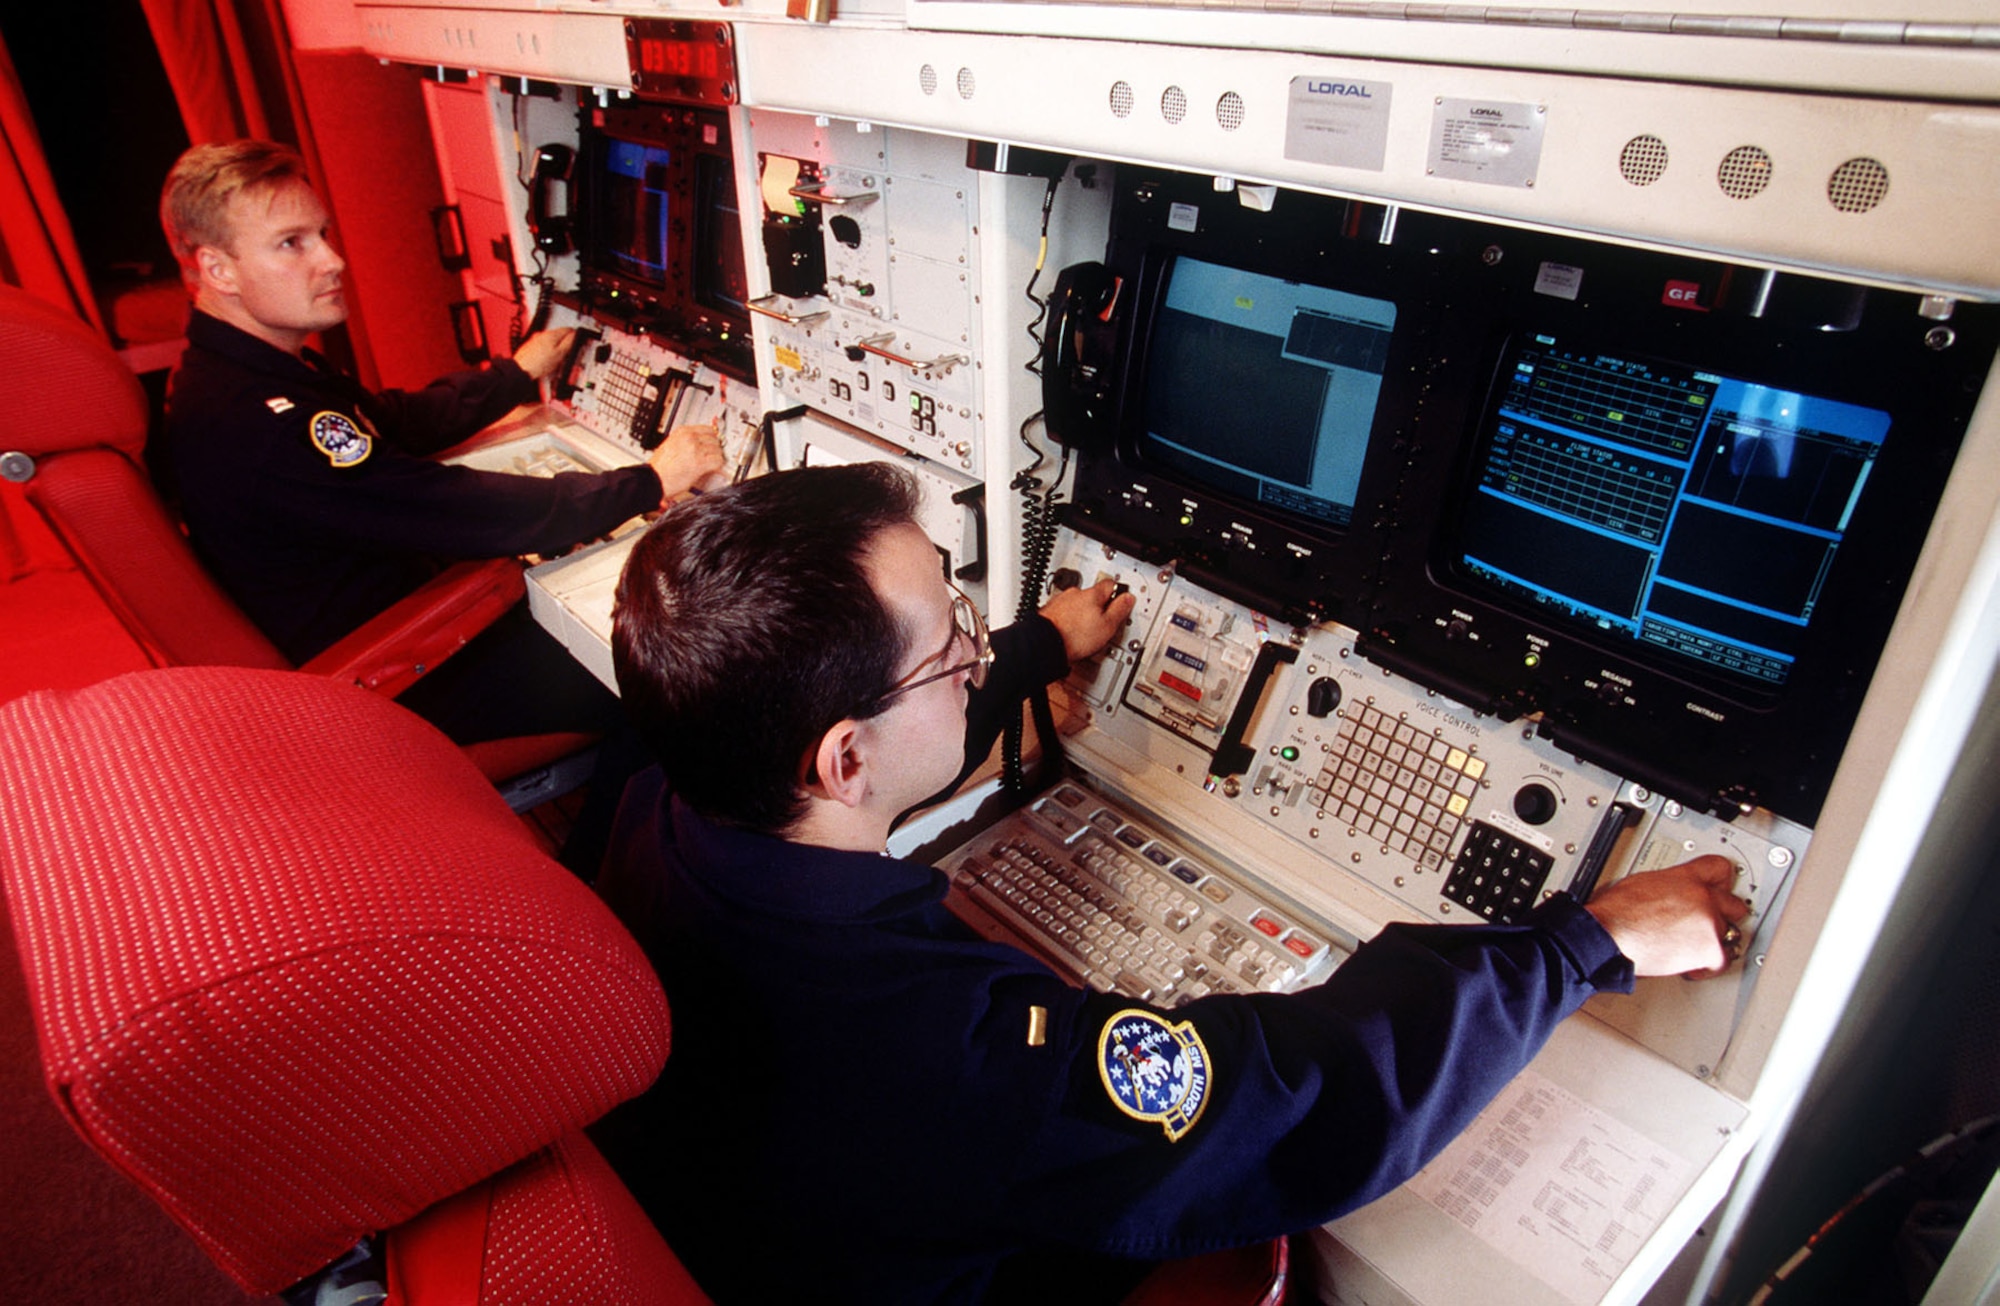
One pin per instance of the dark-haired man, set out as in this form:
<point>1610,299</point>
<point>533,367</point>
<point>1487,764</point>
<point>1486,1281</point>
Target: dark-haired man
<point>309,497</point>
<point>868,1103</point>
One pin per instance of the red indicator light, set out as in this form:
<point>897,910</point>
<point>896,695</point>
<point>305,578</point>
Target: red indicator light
<point>1265,925</point>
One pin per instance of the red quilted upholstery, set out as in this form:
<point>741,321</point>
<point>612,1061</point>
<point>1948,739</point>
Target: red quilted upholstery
<point>142,565</point>
<point>295,967</point>
<point>80,396</point>
<point>558,1227</point>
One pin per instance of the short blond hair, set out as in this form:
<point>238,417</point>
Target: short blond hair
<point>194,203</point>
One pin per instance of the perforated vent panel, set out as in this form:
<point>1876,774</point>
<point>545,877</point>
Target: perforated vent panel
<point>1643,161</point>
<point>927,78</point>
<point>1121,99</point>
<point>1745,171</point>
<point>1857,185</point>
<point>1229,111</point>
<point>966,84</point>
<point>1173,104</point>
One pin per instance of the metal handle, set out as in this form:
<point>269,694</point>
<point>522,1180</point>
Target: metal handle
<point>818,195</point>
<point>468,324</point>
<point>763,306</point>
<point>944,363</point>
<point>448,227</point>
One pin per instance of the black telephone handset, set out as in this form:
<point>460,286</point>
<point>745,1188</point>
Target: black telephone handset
<point>1076,351</point>
<point>549,218</point>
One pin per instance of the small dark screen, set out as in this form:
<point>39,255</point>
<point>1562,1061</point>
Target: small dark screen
<point>720,281</point>
<point>1685,510</point>
<point>1265,389</point>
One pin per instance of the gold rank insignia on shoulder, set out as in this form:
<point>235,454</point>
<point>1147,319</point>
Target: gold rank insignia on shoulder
<point>1154,1069</point>
<point>336,436</point>
<point>278,404</point>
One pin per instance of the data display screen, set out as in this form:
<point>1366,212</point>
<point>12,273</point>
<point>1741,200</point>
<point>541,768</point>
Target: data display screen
<point>1265,389</point>
<point>635,215</point>
<point>1692,512</point>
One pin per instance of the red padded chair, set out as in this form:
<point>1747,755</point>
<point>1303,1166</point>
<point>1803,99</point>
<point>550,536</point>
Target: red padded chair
<point>297,971</point>
<point>73,423</point>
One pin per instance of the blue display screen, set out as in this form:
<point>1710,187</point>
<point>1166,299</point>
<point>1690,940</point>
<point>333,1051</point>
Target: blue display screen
<point>1681,509</point>
<point>636,210</point>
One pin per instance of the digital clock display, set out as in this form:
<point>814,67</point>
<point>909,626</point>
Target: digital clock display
<point>682,61</point>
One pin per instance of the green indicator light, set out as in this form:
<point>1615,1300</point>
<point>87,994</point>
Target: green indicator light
<point>1186,520</point>
<point>1532,661</point>
<point>1289,753</point>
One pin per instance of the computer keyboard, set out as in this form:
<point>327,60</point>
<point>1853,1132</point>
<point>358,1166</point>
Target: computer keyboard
<point>1124,909</point>
<point>545,457</point>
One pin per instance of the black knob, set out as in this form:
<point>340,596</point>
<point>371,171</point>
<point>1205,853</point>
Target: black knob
<point>1322,697</point>
<point>1535,804</point>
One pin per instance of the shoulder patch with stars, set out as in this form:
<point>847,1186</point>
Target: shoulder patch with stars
<point>1154,1069</point>
<point>336,436</point>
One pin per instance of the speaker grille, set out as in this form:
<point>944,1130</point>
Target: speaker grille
<point>927,78</point>
<point>1643,161</point>
<point>1229,111</point>
<point>1173,104</point>
<point>1121,99</point>
<point>966,84</point>
<point>1857,185</point>
<point>1745,171</point>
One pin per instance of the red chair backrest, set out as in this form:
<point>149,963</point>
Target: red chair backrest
<point>295,968</point>
<point>69,403</point>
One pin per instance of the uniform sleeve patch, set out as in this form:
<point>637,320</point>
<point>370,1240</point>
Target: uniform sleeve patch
<point>336,436</point>
<point>1154,1070</point>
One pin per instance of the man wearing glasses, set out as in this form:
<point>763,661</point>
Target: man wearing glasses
<point>869,1103</point>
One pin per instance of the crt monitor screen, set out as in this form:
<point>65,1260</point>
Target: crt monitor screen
<point>634,212</point>
<point>720,281</point>
<point>1264,389</point>
<point>1678,509</point>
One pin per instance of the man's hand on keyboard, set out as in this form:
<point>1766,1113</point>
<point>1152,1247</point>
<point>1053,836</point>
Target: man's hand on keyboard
<point>690,458</point>
<point>1088,617</point>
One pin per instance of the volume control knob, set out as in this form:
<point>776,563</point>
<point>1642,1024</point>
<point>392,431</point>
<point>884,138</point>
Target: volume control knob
<point>1535,804</point>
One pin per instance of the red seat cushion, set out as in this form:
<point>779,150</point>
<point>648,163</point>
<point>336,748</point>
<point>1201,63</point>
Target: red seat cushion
<point>295,967</point>
<point>558,1227</point>
<point>144,568</point>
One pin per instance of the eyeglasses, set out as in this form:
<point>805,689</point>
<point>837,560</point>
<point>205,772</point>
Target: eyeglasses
<point>966,622</point>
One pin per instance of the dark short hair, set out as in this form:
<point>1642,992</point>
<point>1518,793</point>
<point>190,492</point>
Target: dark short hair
<point>746,628</point>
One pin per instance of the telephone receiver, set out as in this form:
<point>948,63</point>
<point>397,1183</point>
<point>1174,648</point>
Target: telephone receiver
<point>1077,351</point>
<point>549,218</point>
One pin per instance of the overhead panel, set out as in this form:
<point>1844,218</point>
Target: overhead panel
<point>1897,192</point>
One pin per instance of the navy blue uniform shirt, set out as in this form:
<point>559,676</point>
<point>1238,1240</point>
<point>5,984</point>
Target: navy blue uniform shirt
<point>310,500</point>
<point>854,1112</point>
